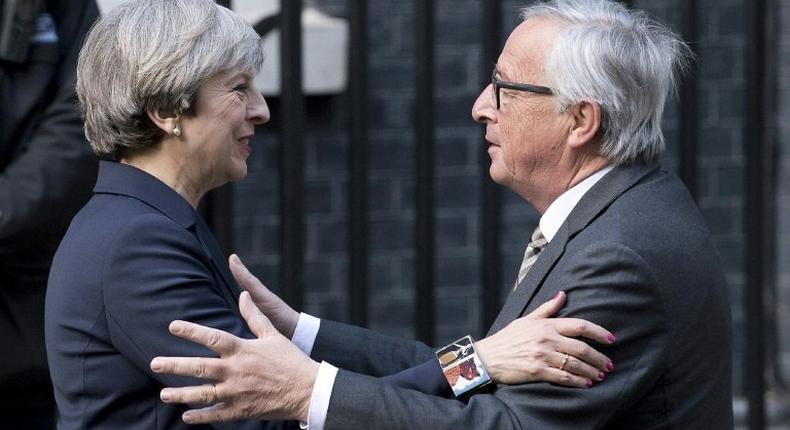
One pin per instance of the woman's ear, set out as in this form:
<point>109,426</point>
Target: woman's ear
<point>586,123</point>
<point>167,121</point>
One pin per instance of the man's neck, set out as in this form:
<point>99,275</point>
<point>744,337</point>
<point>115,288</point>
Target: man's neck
<point>580,171</point>
<point>562,206</point>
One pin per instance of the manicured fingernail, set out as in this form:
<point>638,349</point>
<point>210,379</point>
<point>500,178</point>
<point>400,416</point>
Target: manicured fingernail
<point>164,395</point>
<point>601,376</point>
<point>589,384</point>
<point>609,366</point>
<point>611,338</point>
<point>557,296</point>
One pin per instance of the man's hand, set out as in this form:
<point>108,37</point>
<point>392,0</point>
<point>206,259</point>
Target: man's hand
<point>264,378</point>
<point>282,316</point>
<point>540,348</point>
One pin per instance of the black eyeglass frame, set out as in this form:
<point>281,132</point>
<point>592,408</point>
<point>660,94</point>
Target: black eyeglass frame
<point>499,84</point>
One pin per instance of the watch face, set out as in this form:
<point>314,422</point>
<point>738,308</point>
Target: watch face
<point>461,367</point>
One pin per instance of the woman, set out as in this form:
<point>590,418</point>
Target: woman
<point>169,103</point>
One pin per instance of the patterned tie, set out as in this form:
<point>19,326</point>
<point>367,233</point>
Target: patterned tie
<point>536,245</point>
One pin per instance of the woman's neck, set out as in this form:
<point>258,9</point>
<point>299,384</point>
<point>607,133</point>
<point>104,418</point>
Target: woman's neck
<point>172,169</point>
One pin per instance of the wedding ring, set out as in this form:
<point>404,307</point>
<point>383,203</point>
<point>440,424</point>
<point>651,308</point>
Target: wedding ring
<point>216,397</point>
<point>562,366</point>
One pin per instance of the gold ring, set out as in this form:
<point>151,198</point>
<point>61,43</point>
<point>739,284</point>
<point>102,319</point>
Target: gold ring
<point>562,366</point>
<point>214,388</point>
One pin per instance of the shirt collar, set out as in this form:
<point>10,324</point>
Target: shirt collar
<point>560,208</point>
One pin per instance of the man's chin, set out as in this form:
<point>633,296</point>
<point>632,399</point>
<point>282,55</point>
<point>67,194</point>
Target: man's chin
<point>497,175</point>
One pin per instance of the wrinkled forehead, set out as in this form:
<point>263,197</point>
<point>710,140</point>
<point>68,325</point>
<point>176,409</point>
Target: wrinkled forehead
<point>525,52</point>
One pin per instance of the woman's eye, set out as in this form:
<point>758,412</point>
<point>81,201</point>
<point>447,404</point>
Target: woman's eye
<point>242,88</point>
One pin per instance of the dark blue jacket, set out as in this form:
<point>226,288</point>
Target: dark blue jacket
<point>136,257</point>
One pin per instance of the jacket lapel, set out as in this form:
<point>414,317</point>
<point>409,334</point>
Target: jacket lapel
<point>228,287</point>
<point>518,299</point>
<point>598,198</point>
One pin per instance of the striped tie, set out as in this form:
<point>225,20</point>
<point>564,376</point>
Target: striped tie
<point>536,245</point>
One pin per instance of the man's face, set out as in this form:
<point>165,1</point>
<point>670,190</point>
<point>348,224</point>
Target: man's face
<point>526,135</point>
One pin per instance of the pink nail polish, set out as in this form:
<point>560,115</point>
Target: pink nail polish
<point>611,337</point>
<point>601,376</point>
<point>557,296</point>
<point>610,366</point>
<point>589,384</point>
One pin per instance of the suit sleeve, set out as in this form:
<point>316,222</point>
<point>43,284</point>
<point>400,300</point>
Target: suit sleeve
<point>52,175</point>
<point>369,353</point>
<point>606,283</point>
<point>156,272</point>
<point>366,352</point>
<point>426,378</point>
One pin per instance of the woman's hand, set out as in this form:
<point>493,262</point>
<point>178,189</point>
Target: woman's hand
<point>282,316</point>
<point>540,348</point>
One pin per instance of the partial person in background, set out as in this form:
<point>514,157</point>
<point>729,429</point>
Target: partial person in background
<point>46,173</point>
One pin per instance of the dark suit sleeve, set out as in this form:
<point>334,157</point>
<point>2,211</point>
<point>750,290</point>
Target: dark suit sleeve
<point>157,272</point>
<point>426,378</point>
<point>365,351</point>
<point>369,353</point>
<point>52,175</point>
<point>606,283</point>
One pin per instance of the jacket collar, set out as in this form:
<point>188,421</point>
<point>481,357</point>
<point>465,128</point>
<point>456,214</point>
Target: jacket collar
<point>126,180</point>
<point>595,201</point>
<point>122,179</point>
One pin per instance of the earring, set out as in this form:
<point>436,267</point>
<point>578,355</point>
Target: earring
<point>176,131</point>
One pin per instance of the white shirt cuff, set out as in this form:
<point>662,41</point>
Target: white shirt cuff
<point>305,332</point>
<point>319,400</point>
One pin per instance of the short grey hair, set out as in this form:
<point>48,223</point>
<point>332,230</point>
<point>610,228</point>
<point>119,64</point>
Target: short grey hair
<point>622,60</point>
<point>149,55</point>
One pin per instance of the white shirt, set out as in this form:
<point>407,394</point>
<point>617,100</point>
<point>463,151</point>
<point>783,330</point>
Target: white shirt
<point>307,326</point>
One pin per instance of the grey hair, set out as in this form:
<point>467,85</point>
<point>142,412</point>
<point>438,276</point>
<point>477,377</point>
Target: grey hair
<point>620,59</point>
<point>149,55</point>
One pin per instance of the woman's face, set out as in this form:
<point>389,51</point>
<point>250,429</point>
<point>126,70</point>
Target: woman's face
<point>218,134</point>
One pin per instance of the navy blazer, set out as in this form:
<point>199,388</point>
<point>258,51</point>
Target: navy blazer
<point>136,257</point>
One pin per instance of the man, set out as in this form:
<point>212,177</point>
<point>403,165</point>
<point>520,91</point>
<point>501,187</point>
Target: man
<point>46,173</point>
<point>573,119</point>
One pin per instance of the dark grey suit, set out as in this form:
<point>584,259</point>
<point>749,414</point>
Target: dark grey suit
<point>635,257</point>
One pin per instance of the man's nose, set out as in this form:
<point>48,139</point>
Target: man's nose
<point>483,110</point>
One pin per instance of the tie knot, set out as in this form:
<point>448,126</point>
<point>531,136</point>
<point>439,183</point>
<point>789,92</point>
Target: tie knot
<point>537,239</point>
<point>538,242</point>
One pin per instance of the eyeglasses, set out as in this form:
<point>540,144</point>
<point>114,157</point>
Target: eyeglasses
<point>497,84</point>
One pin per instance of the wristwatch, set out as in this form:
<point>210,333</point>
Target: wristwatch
<point>461,366</point>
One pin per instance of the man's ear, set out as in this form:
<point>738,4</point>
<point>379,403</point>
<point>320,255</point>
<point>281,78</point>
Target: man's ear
<point>586,123</point>
<point>167,121</point>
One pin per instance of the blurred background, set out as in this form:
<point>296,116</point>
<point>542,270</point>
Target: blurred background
<point>368,198</point>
